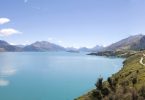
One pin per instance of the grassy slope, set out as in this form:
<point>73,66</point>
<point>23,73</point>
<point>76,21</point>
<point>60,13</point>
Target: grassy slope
<point>132,68</point>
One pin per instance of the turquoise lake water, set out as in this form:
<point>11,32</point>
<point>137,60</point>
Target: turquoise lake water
<point>51,75</point>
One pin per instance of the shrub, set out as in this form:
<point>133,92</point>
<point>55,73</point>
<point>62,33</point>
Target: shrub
<point>134,81</point>
<point>137,71</point>
<point>97,94</point>
<point>109,81</point>
<point>111,97</point>
<point>142,91</point>
<point>112,83</point>
<point>105,91</point>
<point>99,84</point>
<point>134,94</point>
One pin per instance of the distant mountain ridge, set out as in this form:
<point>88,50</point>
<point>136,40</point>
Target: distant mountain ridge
<point>43,46</point>
<point>4,46</point>
<point>85,49</point>
<point>97,48</point>
<point>136,42</point>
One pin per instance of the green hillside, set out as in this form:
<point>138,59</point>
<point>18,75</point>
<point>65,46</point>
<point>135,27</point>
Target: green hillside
<point>127,84</point>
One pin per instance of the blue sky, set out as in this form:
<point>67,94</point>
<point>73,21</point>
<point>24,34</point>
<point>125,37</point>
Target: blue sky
<point>69,23</point>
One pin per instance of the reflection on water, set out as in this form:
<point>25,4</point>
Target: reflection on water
<point>4,82</point>
<point>6,71</point>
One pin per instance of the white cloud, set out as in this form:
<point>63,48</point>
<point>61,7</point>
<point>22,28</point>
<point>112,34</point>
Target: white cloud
<point>4,20</point>
<point>60,41</point>
<point>12,43</point>
<point>50,39</point>
<point>26,42</point>
<point>8,32</point>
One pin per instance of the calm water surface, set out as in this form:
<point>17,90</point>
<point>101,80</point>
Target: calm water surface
<point>51,75</point>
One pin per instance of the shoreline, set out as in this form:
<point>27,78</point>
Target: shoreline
<point>130,66</point>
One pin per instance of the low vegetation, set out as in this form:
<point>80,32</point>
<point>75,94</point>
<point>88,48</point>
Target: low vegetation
<point>127,84</point>
<point>122,53</point>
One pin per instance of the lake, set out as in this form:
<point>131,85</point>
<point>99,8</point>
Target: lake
<point>51,75</point>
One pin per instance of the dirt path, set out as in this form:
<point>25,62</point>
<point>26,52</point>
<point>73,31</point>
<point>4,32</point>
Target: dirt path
<point>141,60</point>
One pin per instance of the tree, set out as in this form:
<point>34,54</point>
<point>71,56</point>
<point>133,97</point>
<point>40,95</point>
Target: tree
<point>134,81</point>
<point>112,83</point>
<point>109,81</point>
<point>99,84</point>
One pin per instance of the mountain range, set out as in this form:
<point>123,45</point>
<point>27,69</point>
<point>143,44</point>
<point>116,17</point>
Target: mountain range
<point>39,46</point>
<point>136,42</point>
<point>43,46</point>
<point>4,46</point>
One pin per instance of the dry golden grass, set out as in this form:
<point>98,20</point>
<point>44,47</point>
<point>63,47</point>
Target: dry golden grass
<point>131,69</point>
